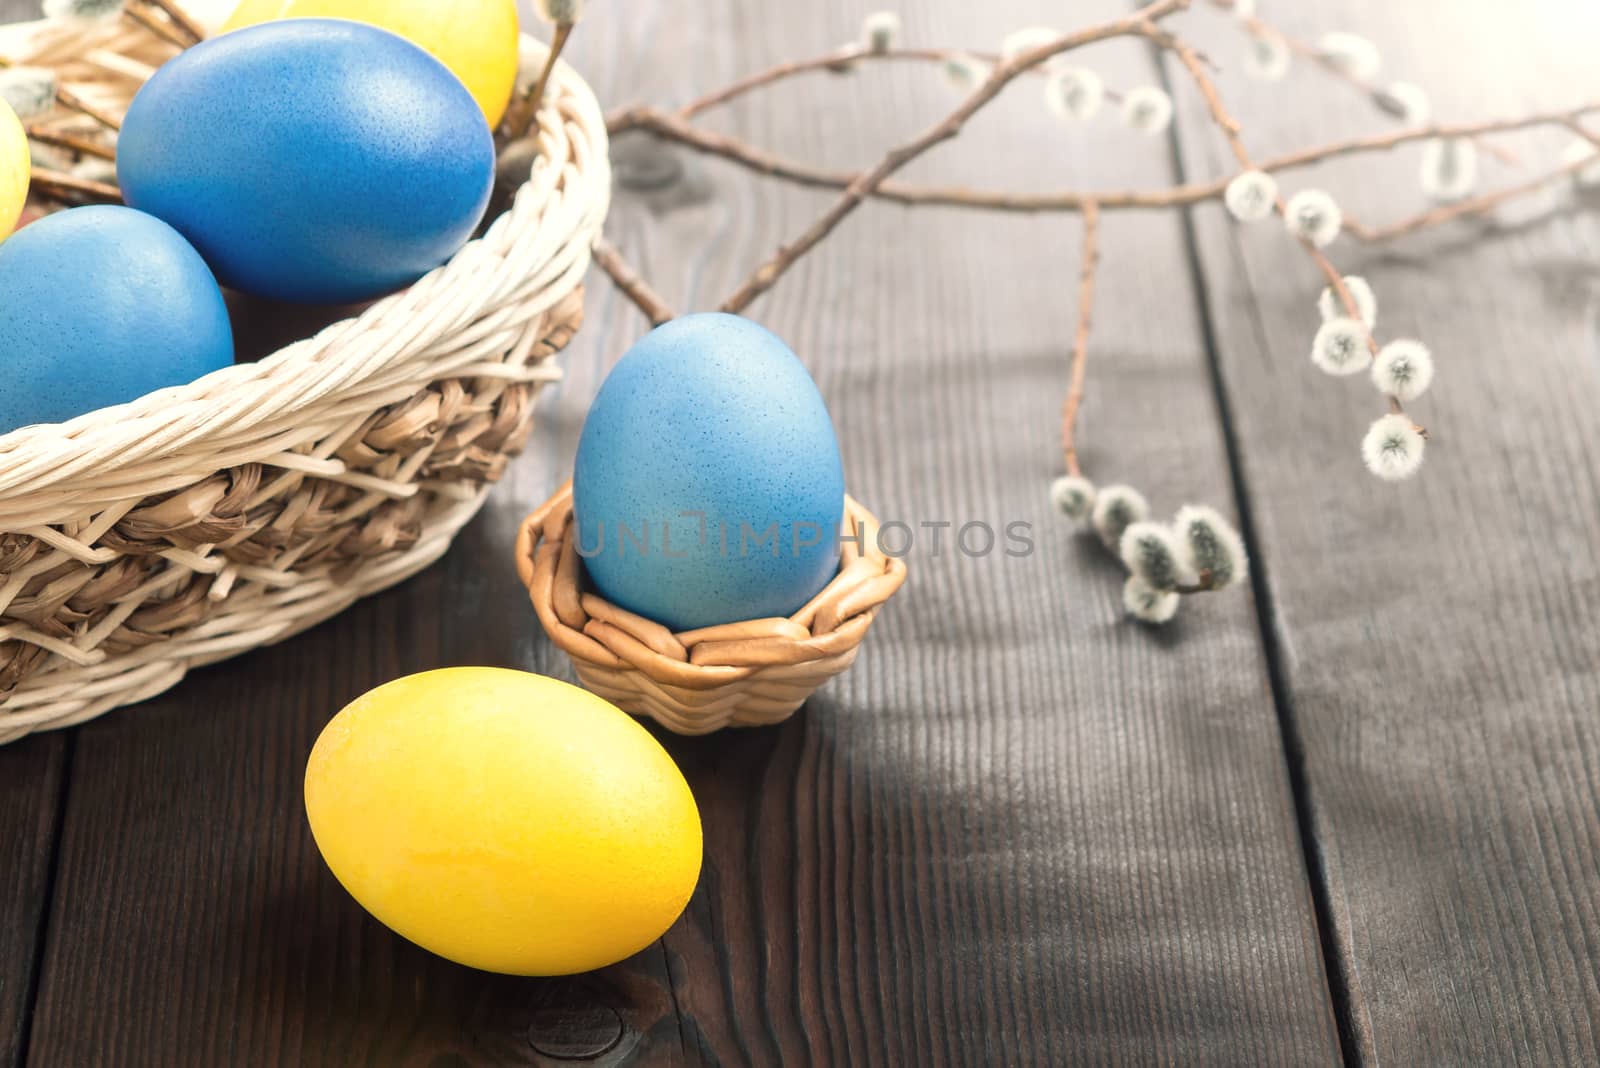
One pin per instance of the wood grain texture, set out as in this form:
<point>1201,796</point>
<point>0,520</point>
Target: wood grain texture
<point>30,793</point>
<point>1439,640</point>
<point>1019,831</point>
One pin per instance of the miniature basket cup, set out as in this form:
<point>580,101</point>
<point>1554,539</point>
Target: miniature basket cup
<point>744,674</point>
<point>205,520</point>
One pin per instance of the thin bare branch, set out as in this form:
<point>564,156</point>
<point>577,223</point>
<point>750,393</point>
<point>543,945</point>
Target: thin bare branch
<point>632,286</point>
<point>1308,51</point>
<point>523,112</point>
<point>1080,341</point>
<point>671,127</point>
<point>949,127</point>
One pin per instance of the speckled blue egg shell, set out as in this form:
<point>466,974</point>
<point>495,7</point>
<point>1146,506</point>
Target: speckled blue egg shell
<point>708,414</point>
<point>100,306</point>
<point>310,160</point>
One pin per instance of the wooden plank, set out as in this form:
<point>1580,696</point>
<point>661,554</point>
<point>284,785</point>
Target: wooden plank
<point>1438,639</point>
<point>30,792</point>
<point>1018,831</point>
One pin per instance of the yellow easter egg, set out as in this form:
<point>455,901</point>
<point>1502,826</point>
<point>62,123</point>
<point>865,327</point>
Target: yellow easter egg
<point>14,169</point>
<point>504,820</point>
<point>477,39</point>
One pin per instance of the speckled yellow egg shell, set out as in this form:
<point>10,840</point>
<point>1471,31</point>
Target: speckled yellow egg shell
<point>504,820</point>
<point>14,169</point>
<point>476,39</point>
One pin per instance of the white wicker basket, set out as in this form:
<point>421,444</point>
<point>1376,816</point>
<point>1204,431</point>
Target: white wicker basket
<point>205,520</point>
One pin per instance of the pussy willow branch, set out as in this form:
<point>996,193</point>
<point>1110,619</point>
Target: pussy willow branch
<point>1001,76</point>
<point>1478,205</point>
<point>839,60</point>
<point>1080,341</point>
<point>631,284</point>
<point>671,127</point>
<point>1305,50</point>
<point>1230,128</point>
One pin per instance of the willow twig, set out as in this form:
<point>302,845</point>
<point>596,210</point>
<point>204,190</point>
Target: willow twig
<point>1306,50</point>
<point>1080,341</point>
<point>526,110</point>
<point>840,59</point>
<point>1478,205</point>
<point>81,145</point>
<point>1230,128</point>
<point>631,284</point>
<point>862,187</point>
<point>672,127</point>
<point>60,186</point>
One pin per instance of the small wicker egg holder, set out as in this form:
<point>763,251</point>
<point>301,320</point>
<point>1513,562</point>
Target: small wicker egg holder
<point>745,674</point>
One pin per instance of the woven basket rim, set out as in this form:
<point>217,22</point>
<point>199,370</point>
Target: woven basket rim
<point>597,633</point>
<point>300,376</point>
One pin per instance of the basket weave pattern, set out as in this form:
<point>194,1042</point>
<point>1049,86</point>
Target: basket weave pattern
<point>208,519</point>
<point>744,674</point>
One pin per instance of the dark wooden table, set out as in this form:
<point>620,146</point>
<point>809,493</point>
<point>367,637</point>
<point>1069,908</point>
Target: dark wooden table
<point>1350,814</point>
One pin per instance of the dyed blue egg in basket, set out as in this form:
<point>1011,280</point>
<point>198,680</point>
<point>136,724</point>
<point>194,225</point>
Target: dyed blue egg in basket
<point>204,520</point>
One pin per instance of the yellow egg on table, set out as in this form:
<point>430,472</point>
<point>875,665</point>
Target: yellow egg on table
<point>504,820</point>
<point>477,39</point>
<point>14,169</point>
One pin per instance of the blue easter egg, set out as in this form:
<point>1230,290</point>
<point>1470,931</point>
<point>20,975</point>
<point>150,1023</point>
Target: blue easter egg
<point>310,160</point>
<point>708,487</point>
<point>100,306</point>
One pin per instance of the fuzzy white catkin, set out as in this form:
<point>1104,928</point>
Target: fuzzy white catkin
<point>1151,551</point>
<point>30,91</point>
<point>1351,53</point>
<point>1148,604</point>
<point>880,31</point>
<point>1251,196</point>
<point>1209,546</point>
<point>1075,93</point>
<point>964,73</point>
<point>1116,507</point>
<point>1268,57</point>
<point>1366,300</point>
<point>1245,9</point>
<point>1340,347</point>
<point>1406,102</point>
<point>1588,176</point>
<point>1073,496</point>
<point>1020,41</point>
<point>1403,369</point>
<point>1449,168</point>
<point>559,11</point>
<point>1147,109</point>
<point>1392,448</point>
<point>1315,216</point>
<point>81,9</point>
